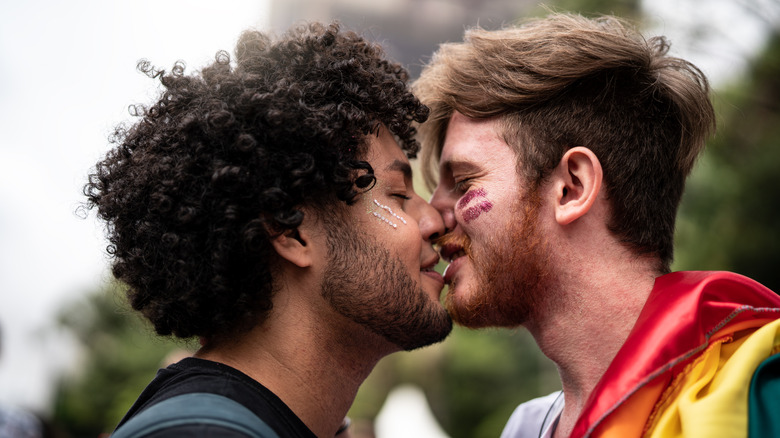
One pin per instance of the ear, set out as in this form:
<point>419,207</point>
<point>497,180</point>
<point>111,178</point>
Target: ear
<point>294,246</point>
<point>577,183</point>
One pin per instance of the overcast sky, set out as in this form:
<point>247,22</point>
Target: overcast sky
<point>67,75</point>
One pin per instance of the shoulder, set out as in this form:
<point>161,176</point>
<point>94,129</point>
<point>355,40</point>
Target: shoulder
<point>16,422</point>
<point>715,281</point>
<point>201,415</point>
<point>529,418</point>
<point>197,431</point>
<point>193,375</point>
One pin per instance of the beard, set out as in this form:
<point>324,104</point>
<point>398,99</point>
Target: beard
<point>511,270</point>
<point>366,284</point>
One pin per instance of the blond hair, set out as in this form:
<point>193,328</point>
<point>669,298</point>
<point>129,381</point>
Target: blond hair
<point>566,81</point>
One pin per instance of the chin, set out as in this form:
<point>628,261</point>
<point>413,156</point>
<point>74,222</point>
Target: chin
<point>433,292</point>
<point>463,307</point>
<point>474,310</point>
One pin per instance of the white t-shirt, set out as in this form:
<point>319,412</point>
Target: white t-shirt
<point>535,418</point>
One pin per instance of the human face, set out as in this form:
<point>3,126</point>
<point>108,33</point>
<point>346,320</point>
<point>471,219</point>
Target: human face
<point>380,268</point>
<point>498,257</point>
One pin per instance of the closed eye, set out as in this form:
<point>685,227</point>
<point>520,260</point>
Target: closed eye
<point>462,185</point>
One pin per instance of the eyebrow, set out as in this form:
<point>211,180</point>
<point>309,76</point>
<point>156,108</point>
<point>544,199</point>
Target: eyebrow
<point>458,164</point>
<point>400,166</point>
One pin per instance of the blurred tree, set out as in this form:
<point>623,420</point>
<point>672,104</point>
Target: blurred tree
<point>484,375</point>
<point>728,219</point>
<point>630,9</point>
<point>121,355</point>
<point>473,381</point>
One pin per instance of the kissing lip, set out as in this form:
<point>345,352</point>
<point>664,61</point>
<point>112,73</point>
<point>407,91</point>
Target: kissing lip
<point>429,264</point>
<point>427,269</point>
<point>452,269</point>
<point>449,250</point>
<point>435,276</point>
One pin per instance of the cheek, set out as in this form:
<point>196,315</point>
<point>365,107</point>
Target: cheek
<point>400,233</point>
<point>473,205</point>
<point>386,214</point>
<point>476,211</point>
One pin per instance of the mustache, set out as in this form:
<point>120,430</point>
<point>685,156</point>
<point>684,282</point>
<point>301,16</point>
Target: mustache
<point>453,240</point>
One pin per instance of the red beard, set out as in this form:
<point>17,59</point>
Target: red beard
<point>512,273</point>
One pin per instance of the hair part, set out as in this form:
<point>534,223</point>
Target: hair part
<point>566,81</point>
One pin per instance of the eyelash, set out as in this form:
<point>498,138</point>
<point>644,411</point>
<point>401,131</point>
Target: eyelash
<point>462,185</point>
<point>402,196</point>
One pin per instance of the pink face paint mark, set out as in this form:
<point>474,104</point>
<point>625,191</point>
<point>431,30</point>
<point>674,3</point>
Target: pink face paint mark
<point>474,212</point>
<point>464,201</point>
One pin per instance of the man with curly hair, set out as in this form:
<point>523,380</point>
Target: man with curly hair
<point>562,148</point>
<point>265,205</point>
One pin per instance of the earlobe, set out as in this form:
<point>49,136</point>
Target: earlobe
<point>578,179</point>
<point>294,247</point>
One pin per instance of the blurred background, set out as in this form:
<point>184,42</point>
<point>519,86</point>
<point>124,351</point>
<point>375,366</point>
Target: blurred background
<point>72,354</point>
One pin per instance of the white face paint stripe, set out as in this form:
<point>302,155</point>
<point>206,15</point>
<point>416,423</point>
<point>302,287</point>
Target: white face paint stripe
<point>384,219</point>
<point>389,210</point>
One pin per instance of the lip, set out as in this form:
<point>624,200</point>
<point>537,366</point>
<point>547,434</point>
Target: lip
<point>427,269</point>
<point>436,277</point>
<point>453,268</point>
<point>447,251</point>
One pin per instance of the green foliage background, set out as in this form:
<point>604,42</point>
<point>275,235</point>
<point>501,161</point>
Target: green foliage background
<point>474,379</point>
<point>122,356</point>
<point>729,216</point>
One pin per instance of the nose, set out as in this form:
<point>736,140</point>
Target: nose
<point>444,203</point>
<point>428,219</point>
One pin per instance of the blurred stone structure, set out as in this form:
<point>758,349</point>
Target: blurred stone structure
<point>410,30</point>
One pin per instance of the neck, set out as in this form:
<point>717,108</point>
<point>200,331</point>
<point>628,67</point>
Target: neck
<point>294,350</point>
<point>582,331</point>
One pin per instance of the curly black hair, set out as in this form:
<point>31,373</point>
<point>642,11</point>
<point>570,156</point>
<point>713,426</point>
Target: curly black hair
<point>193,192</point>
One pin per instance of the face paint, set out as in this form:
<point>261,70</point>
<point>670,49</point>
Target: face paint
<point>390,211</point>
<point>384,219</point>
<point>474,212</point>
<point>371,209</point>
<point>483,206</point>
<point>464,201</point>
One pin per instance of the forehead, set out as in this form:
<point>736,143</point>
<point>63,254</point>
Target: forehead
<point>474,142</point>
<point>385,155</point>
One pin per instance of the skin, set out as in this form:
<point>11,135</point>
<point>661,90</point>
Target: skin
<point>394,189</point>
<point>403,306</point>
<point>581,312</point>
<point>308,342</point>
<point>464,183</point>
<point>471,211</point>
